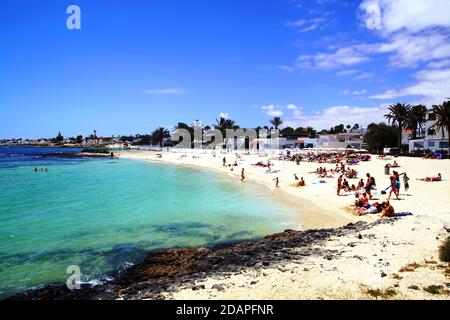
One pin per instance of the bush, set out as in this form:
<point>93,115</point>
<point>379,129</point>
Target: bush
<point>433,289</point>
<point>444,251</point>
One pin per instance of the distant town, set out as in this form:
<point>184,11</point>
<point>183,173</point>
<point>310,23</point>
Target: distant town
<point>411,129</point>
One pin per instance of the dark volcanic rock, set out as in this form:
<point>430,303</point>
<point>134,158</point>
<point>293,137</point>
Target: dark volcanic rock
<point>165,270</point>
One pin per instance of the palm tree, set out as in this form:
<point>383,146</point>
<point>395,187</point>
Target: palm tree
<point>442,113</point>
<point>417,118</point>
<point>398,115</point>
<point>159,135</point>
<point>224,124</point>
<point>276,122</point>
<point>311,132</point>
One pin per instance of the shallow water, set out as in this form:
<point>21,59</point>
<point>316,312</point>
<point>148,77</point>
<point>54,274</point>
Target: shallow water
<point>103,214</point>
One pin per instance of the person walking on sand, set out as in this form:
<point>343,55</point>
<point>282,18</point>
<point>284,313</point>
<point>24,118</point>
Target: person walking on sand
<point>277,182</point>
<point>339,185</point>
<point>394,189</point>
<point>224,161</point>
<point>242,175</point>
<point>369,185</point>
<point>406,182</point>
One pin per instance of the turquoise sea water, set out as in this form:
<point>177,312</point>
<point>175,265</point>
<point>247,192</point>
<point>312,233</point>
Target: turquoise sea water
<point>104,214</point>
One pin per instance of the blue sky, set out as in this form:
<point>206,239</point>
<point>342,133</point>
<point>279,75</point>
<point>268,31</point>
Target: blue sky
<point>136,64</point>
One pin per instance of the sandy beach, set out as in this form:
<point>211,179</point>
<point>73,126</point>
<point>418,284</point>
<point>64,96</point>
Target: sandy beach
<point>395,260</point>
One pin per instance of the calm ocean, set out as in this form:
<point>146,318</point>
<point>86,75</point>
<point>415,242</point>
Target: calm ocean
<point>103,214</point>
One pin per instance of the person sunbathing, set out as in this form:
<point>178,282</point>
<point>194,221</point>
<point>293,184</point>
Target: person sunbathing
<point>301,183</point>
<point>346,186</point>
<point>432,179</point>
<point>371,209</point>
<point>395,165</point>
<point>352,174</point>
<point>361,184</point>
<point>388,211</point>
<point>362,201</point>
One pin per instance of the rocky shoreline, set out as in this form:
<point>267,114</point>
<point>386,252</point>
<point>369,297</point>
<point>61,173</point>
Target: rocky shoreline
<point>75,155</point>
<point>171,270</point>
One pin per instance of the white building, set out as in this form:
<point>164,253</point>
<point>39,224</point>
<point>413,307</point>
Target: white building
<point>435,140</point>
<point>342,140</point>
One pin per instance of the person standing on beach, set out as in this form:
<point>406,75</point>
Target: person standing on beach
<point>369,185</point>
<point>277,182</point>
<point>406,181</point>
<point>339,185</point>
<point>224,161</point>
<point>242,175</point>
<point>394,189</point>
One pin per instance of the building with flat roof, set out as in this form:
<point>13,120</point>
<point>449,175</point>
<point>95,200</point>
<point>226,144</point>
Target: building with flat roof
<point>342,140</point>
<point>434,139</point>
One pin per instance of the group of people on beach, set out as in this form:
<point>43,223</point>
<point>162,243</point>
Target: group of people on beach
<point>363,190</point>
<point>364,197</point>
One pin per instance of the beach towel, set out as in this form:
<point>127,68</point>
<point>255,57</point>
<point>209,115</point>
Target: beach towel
<point>402,214</point>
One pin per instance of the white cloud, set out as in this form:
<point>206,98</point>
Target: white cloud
<point>224,115</point>
<point>439,64</point>
<point>432,86</point>
<point>308,25</point>
<point>296,23</point>
<point>342,57</point>
<point>354,92</point>
<point>349,72</point>
<point>293,107</point>
<point>413,32</point>
<point>286,68</point>
<point>166,91</point>
<point>272,110</point>
<point>336,115</point>
<point>409,50</point>
<point>410,15</point>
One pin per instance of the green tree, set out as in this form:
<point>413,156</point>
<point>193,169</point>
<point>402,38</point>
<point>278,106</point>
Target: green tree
<point>185,126</point>
<point>380,136</point>
<point>416,119</point>
<point>159,135</point>
<point>398,115</point>
<point>442,113</point>
<point>276,122</point>
<point>287,131</point>
<point>59,138</point>
<point>311,132</point>
<point>145,140</point>
<point>223,124</point>
<point>79,139</point>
